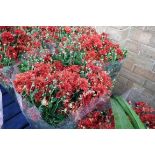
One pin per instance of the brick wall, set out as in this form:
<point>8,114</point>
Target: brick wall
<point>139,67</point>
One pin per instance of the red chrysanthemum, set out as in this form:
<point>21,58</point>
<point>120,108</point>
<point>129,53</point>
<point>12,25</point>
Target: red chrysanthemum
<point>11,53</point>
<point>7,37</point>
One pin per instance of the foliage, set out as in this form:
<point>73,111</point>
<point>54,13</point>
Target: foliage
<point>123,113</point>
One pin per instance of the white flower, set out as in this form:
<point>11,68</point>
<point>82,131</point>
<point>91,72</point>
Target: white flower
<point>44,102</point>
<point>70,105</point>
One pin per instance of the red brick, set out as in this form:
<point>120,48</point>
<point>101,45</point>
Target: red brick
<point>152,40</point>
<point>147,51</point>
<point>150,85</point>
<point>118,35</point>
<point>129,64</point>
<point>145,73</point>
<point>140,35</point>
<point>150,28</point>
<point>132,76</point>
<point>140,60</point>
<point>132,46</point>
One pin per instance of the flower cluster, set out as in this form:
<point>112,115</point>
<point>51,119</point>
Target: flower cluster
<point>52,83</point>
<point>146,114</point>
<point>7,38</point>
<point>59,40</point>
<point>14,41</point>
<point>99,47</point>
<point>60,67</point>
<point>97,120</point>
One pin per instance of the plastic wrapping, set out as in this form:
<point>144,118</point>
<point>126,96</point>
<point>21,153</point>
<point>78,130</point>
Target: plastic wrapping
<point>26,63</point>
<point>83,111</point>
<point>136,95</point>
<point>1,110</point>
<point>34,117</point>
<point>113,68</point>
<point>33,114</point>
<point>143,104</point>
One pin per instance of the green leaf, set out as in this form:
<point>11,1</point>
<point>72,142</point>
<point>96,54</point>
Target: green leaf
<point>41,108</point>
<point>114,56</point>
<point>50,105</point>
<point>55,90</point>
<point>6,61</point>
<point>77,58</point>
<point>32,95</point>
<point>76,95</point>
<point>55,107</point>
<point>60,117</point>
<point>24,66</point>
<point>135,120</point>
<point>121,119</point>
<point>53,100</point>
<point>125,51</point>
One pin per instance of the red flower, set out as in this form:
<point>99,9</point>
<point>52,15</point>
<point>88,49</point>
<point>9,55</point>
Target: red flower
<point>145,113</point>
<point>148,117</point>
<point>96,114</point>
<point>19,32</point>
<point>41,69</point>
<point>53,29</point>
<point>74,68</point>
<point>11,53</point>
<point>64,39</point>
<point>87,122</point>
<point>59,95</point>
<point>40,82</point>
<point>94,68</point>
<point>95,120</point>
<point>36,44</point>
<point>91,55</point>
<point>58,65</point>
<point>83,84</point>
<point>38,96</point>
<point>35,34</point>
<point>47,58</point>
<point>56,37</point>
<point>8,28</point>
<point>119,51</point>
<point>67,29</point>
<point>87,98</point>
<point>105,35</point>
<point>103,52</point>
<point>7,37</point>
<point>1,57</point>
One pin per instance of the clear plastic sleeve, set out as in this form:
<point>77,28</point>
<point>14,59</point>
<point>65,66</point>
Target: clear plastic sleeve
<point>34,117</point>
<point>139,94</point>
<point>113,68</point>
<point>1,110</point>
